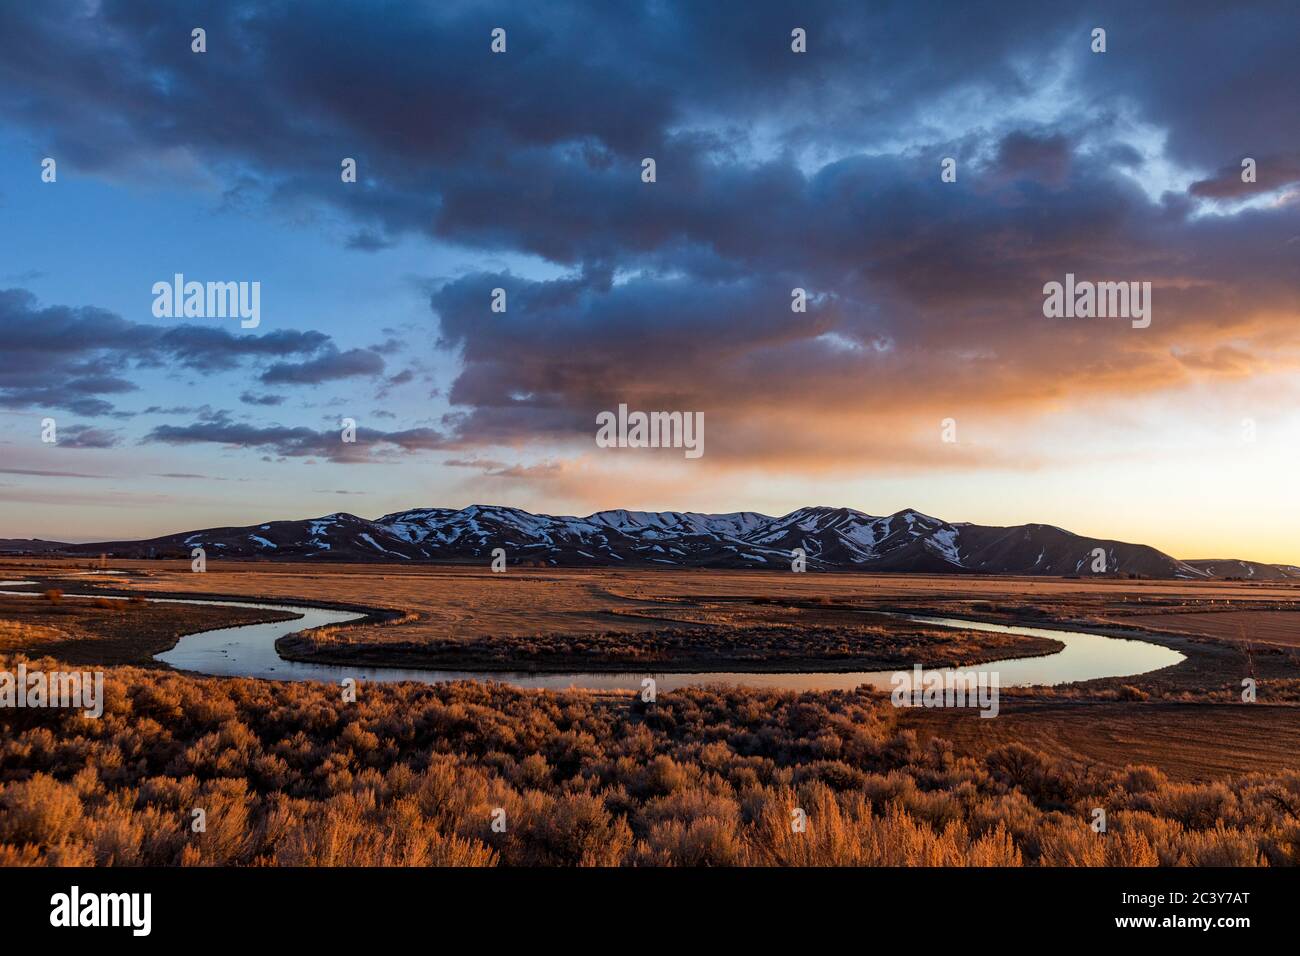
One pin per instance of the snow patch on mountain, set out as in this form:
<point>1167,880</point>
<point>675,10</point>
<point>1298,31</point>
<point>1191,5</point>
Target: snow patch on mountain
<point>830,538</point>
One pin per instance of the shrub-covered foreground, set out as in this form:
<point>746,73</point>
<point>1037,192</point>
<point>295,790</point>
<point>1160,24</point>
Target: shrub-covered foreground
<point>412,774</point>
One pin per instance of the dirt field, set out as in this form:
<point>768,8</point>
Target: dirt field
<point>1188,742</point>
<point>1264,627</point>
<point>454,601</point>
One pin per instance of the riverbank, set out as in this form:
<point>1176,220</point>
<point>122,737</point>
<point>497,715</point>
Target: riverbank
<point>103,631</point>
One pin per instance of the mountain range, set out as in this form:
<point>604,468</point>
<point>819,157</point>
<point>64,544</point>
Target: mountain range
<point>832,539</point>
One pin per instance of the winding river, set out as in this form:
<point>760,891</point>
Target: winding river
<point>249,651</point>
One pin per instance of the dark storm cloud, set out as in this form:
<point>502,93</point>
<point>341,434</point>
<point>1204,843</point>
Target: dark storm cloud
<point>774,171</point>
<point>72,358</point>
<point>1271,172</point>
<point>60,330</point>
<point>1044,158</point>
<point>440,126</point>
<point>586,89</point>
<point>1222,79</point>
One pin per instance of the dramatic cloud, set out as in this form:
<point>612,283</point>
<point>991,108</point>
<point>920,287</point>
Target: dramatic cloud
<point>775,171</point>
<point>1271,173</point>
<point>71,358</point>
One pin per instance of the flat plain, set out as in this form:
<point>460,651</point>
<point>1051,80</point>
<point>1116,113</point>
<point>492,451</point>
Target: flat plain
<point>1194,774</point>
<point>528,619</point>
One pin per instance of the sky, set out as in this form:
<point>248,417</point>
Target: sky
<point>923,373</point>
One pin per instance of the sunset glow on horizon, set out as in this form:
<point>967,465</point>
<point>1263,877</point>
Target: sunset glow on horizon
<point>923,372</point>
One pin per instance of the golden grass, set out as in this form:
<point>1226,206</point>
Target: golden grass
<point>289,774</point>
<point>16,635</point>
